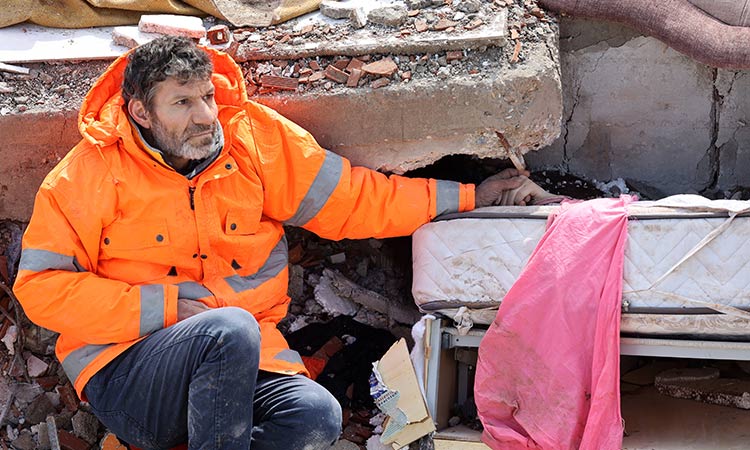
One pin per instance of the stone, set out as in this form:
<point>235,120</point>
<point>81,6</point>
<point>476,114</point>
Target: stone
<point>382,68</point>
<point>379,83</point>
<point>85,426</point>
<point>358,18</point>
<point>11,334</point>
<point>68,441</point>
<point>39,409</point>
<point>131,36</point>
<point>335,9</point>
<point>41,435</point>
<point>27,392</point>
<point>390,16</point>
<point>421,25</point>
<point>418,4</point>
<point>24,441</point>
<point>171,24</point>
<point>35,366</point>
<point>469,6</point>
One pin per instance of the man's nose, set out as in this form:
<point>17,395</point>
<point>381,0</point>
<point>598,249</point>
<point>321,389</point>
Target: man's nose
<point>204,114</point>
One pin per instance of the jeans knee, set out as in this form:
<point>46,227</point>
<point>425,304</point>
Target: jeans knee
<point>235,327</point>
<point>324,416</point>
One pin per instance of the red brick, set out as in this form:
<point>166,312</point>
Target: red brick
<point>305,71</point>
<point>354,64</point>
<point>353,79</point>
<point>414,12</point>
<point>68,397</point>
<point>110,442</point>
<point>341,64</point>
<point>218,34</point>
<point>282,83</point>
<point>420,25</point>
<point>379,83</point>
<point>444,24</point>
<point>317,76</point>
<point>337,75</point>
<point>473,24</point>
<point>69,442</point>
<point>314,65</point>
<point>454,55</point>
<point>384,67</point>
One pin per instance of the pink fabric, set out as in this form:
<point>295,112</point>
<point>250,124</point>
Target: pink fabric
<point>548,370</point>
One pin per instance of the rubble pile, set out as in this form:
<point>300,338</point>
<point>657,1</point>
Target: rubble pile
<point>526,23</point>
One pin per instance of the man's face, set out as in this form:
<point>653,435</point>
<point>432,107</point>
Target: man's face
<point>183,118</point>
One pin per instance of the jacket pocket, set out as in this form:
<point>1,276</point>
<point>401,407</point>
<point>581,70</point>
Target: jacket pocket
<point>242,222</point>
<point>136,252</point>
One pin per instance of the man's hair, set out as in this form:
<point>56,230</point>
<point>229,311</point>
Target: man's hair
<point>164,57</point>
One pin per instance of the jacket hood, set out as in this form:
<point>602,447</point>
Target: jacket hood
<point>102,119</point>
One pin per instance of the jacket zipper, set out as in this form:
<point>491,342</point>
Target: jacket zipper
<point>191,189</point>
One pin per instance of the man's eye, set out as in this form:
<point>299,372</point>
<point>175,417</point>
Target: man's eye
<point>208,96</point>
<point>181,102</point>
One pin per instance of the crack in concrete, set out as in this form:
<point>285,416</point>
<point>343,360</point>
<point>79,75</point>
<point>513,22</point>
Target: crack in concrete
<point>713,153</point>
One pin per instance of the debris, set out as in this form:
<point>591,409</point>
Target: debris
<point>5,88</point>
<point>379,83</point>
<point>68,441</point>
<point>281,83</point>
<point>516,51</point>
<point>174,25</point>
<point>384,67</point>
<point>110,442</point>
<point>85,426</point>
<point>354,77</point>
<point>10,339</point>
<point>131,36</point>
<point>36,366</point>
<point>13,69</point>
<point>54,442</point>
<point>390,16</point>
<point>358,18</point>
<point>394,387</point>
<point>704,385</point>
<point>335,9</point>
<point>218,34</point>
<point>335,74</point>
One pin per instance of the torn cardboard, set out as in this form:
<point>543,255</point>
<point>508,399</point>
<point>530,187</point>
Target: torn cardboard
<point>394,387</point>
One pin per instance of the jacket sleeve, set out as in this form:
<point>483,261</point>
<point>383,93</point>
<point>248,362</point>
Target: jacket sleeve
<point>316,189</point>
<point>59,289</point>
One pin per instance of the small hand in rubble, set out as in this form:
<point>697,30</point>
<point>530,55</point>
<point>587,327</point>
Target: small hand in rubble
<point>511,187</point>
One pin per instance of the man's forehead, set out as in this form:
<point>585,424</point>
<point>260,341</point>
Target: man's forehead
<point>173,87</point>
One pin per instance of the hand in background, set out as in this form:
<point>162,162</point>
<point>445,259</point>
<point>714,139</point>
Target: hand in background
<point>188,308</point>
<point>490,191</point>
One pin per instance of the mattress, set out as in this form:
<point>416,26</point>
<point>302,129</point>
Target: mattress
<point>684,255</point>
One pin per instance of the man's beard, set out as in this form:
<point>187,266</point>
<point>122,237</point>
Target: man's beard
<point>180,146</point>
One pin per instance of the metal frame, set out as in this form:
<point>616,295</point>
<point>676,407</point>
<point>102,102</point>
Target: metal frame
<point>447,337</point>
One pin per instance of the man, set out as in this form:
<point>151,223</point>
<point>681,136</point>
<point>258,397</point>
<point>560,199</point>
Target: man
<point>156,250</point>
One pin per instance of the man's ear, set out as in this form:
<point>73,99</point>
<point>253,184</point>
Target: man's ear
<point>139,113</point>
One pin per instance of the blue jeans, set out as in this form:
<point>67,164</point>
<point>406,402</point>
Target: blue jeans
<point>198,382</point>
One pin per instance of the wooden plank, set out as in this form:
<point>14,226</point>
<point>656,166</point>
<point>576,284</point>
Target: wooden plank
<point>459,437</point>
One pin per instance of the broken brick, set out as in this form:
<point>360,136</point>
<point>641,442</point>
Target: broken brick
<point>406,75</point>
<point>304,30</point>
<point>413,12</point>
<point>353,79</point>
<point>314,65</point>
<point>444,24</point>
<point>110,442</point>
<point>384,67</point>
<point>514,34</point>
<point>68,397</point>
<point>354,64</point>
<point>516,51</point>
<point>317,76</point>
<point>305,71</point>
<point>218,34</point>
<point>335,74</point>
<point>341,64</point>
<point>282,83</point>
<point>69,442</point>
<point>379,83</point>
<point>454,55</point>
<point>473,24</point>
<point>420,25</point>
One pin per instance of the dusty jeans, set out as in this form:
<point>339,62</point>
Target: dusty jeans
<point>198,382</point>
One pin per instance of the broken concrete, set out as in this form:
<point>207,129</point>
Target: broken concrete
<point>637,110</point>
<point>704,385</point>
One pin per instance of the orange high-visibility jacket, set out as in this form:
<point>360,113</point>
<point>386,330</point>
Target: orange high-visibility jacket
<point>117,235</point>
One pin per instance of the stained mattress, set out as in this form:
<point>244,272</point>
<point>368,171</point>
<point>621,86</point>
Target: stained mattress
<point>685,255</point>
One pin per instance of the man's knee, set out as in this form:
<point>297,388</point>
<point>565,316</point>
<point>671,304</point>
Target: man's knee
<point>232,327</point>
<point>323,415</point>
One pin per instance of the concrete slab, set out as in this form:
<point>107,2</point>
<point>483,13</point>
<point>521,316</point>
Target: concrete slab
<point>33,43</point>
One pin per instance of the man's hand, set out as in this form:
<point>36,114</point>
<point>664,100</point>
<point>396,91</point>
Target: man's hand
<point>188,308</point>
<point>491,191</point>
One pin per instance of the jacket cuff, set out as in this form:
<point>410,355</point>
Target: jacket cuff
<point>467,198</point>
<point>170,305</point>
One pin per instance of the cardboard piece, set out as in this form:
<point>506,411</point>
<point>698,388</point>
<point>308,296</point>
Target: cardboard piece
<point>394,387</point>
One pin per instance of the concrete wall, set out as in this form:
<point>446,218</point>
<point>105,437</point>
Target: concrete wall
<point>636,109</point>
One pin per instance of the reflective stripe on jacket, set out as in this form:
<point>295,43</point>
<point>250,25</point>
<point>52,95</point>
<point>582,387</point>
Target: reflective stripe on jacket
<point>117,236</point>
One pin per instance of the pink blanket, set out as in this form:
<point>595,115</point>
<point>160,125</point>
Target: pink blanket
<point>548,370</point>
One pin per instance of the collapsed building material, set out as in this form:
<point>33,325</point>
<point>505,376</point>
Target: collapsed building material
<point>191,27</point>
<point>704,385</point>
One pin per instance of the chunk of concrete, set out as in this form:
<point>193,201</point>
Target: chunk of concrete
<point>390,16</point>
<point>174,25</point>
<point>131,36</point>
<point>704,385</point>
<point>336,9</point>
